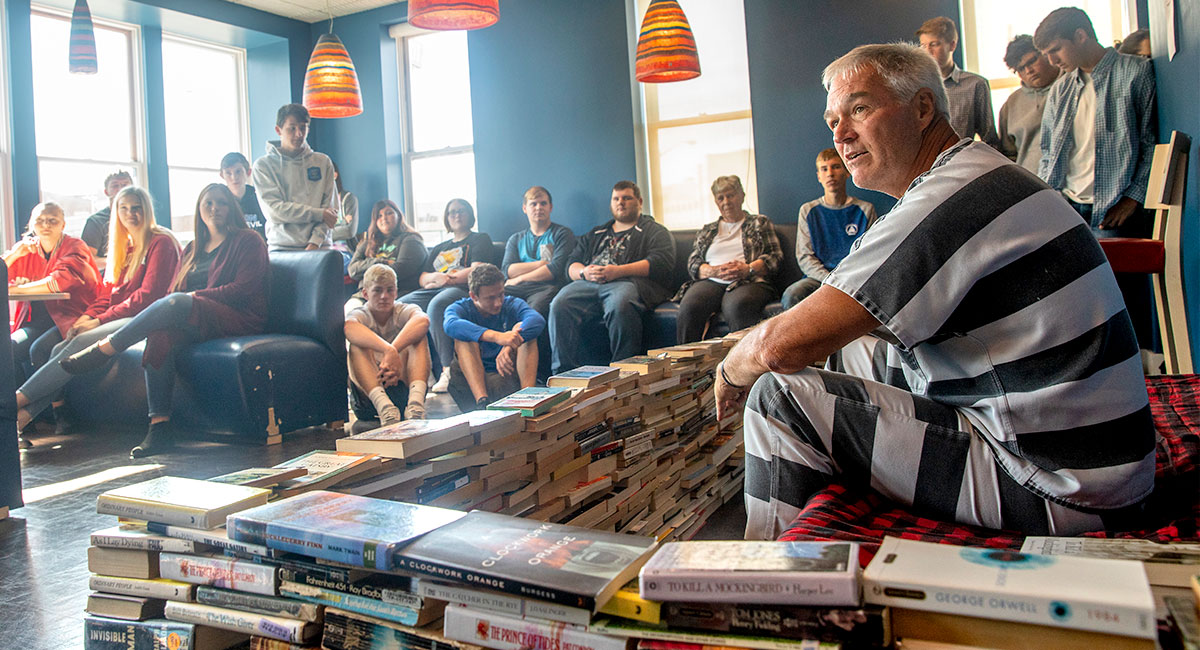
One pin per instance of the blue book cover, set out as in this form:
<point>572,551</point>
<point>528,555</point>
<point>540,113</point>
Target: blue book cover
<point>533,401</point>
<point>353,530</point>
<point>402,614</point>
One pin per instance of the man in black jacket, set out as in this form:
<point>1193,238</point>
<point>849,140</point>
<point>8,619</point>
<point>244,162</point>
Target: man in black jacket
<point>616,272</point>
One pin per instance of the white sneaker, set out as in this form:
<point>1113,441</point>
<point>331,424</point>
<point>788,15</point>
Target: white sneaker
<point>443,382</point>
<point>389,415</point>
<point>414,411</point>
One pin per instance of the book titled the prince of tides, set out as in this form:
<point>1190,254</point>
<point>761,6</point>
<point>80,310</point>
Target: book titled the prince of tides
<point>794,573</point>
<point>341,527</point>
<point>1107,596</point>
<point>568,565</point>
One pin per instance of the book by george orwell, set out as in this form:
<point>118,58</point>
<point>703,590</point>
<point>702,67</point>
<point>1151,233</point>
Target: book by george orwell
<point>353,530</point>
<point>1107,596</point>
<point>794,573</point>
<point>568,565</point>
<point>180,501</point>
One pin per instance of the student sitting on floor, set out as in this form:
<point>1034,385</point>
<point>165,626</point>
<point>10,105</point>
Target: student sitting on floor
<point>139,272</point>
<point>47,260</point>
<point>388,355</point>
<point>221,290</point>
<point>495,341</point>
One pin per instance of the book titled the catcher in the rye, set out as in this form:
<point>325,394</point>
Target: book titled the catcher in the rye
<point>568,565</point>
<point>793,573</point>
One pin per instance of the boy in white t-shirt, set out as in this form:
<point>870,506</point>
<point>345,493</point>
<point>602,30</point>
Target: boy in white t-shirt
<point>388,353</point>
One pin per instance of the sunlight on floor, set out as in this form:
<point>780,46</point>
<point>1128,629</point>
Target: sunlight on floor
<point>33,495</point>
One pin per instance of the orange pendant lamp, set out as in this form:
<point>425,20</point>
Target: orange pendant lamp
<point>331,84</point>
<point>666,49</point>
<point>453,14</point>
<point>81,57</point>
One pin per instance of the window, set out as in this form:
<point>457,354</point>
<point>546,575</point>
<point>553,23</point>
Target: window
<point>438,144</point>
<point>700,129</point>
<point>87,126</point>
<point>989,26</point>
<point>205,103</point>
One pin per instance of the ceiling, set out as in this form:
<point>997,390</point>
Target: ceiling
<point>312,11</point>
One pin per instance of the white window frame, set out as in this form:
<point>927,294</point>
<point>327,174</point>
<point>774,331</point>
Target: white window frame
<point>8,212</point>
<point>136,89</point>
<point>242,101</point>
<point>401,33</point>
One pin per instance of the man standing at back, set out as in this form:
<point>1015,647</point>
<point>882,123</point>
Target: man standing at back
<point>95,229</point>
<point>295,186</point>
<point>969,94</point>
<point>618,271</point>
<point>1021,115</point>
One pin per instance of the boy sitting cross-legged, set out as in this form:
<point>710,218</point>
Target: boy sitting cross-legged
<point>388,353</point>
<point>495,341</point>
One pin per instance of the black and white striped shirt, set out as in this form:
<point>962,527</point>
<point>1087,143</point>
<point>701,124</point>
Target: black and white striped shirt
<point>997,300</point>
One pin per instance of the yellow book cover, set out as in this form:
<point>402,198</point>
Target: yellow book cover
<point>180,501</point>
<point>628,603</point>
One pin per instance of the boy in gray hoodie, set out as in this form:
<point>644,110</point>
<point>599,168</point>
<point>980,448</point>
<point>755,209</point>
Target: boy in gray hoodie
<point>295,186</point>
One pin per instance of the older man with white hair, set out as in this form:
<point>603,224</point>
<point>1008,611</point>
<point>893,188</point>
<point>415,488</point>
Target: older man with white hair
<point>984,369</point>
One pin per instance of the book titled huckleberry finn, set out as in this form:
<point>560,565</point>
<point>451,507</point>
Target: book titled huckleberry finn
<point>794,573</point>
<point>359,531</point>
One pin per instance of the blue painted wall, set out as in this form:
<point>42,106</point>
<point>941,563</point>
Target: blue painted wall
<point>1178,97</point>
<point>789,44</point>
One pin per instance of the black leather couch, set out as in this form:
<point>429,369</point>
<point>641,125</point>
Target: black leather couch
<point>250,387</point>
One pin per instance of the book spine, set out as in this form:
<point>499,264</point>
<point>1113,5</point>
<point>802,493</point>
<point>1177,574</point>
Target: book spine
<point>203,537</point>
<point>257,603</point>
<point>857,627</point>
<point>244,622</point>
<point>144,511</point>
<point>483,580</point>
<point>343,632</point>
<point>369,606</point>
<point>267,643</point>
<point>167,590</point>
<point>509,605</point>
<point>700,638</point>
<point>218,572</point>
<point>112,634</point>
<point>495,630</point>
<point>243,529</point>
<point>629,604</point>
<point>336,579</point>
<point>1093,617</point>
<point>329,546</point>
<point>734,587</point>
<point>145,543</point>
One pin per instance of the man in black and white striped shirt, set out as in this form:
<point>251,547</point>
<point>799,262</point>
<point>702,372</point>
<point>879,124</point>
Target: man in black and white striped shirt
<point>983,370</point>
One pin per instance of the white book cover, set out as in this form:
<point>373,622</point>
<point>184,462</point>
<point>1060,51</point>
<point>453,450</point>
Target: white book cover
<point>141,539</point>
<point>504,603</point>
<point>216,537</point>
<point>794,573</point>
<point>275,627</point>
<point>1108,596</point>
<point>160,588</point>
<point>1167,565</point>
<point>227,572</point>
<point>503,632</point>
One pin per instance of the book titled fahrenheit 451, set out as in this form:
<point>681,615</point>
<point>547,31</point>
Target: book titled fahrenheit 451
<point>180,501</point>
<point>341,527</point>
<point>794,573</point>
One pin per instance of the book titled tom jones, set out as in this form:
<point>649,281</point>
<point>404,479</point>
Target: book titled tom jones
<point>795,573</point>
<point>344,528</point>
<point>568,565</point>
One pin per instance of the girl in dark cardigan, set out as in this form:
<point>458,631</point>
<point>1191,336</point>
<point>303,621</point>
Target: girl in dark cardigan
<point>221,290</point>
<point>138,273</point>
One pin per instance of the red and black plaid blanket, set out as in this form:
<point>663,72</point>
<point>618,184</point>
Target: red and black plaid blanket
<point>841,514</point>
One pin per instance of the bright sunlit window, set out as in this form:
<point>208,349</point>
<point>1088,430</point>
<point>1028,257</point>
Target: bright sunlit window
<point>87,126</point>
<point>205,101</point>
<point>700,129</point>
<point>989,26</point>
<point>439,153</point>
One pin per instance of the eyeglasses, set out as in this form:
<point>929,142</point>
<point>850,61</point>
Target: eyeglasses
<point>47,221</point>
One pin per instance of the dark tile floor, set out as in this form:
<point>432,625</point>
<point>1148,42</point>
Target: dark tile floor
<point>43,556</point>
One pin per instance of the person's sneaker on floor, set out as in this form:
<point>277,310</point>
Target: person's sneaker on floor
<point>389,415</point>
<point>414,411</point>
<point>443,382</point>
<point>360,426</point>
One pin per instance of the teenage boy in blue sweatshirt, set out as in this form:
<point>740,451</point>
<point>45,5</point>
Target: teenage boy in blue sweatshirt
<point>495,341</point>
<point>828,227</point>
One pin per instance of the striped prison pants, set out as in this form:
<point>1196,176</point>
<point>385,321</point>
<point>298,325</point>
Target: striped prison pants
<point>806,430</point>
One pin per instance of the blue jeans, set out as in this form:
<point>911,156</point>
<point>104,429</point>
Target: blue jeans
<point>45,385</point>
<point>169,312</point>
<point>32,342</point>
<point>618,303</point>
<point>798,291</point>
<point>434,302</point>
